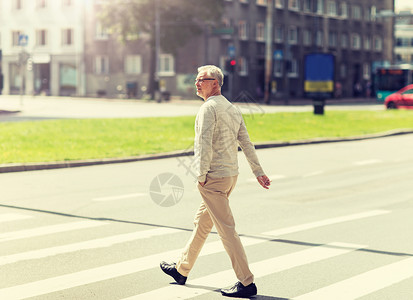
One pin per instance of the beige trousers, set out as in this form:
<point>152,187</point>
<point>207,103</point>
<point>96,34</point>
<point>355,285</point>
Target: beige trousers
<point>215,210</point>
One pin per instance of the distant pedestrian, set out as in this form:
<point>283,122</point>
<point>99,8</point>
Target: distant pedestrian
<point>219,129</point>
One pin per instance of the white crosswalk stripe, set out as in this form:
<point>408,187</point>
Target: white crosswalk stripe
<point>12,217</point>
<point>35,232</point>
<point>364,284</point>
<point>260,269</point>
<point>91,244</point>
<point>350,288</point>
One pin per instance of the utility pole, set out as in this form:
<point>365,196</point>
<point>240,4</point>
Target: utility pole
<point>157,48</point>
<point>268,51</point>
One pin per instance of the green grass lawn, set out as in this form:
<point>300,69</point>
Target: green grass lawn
<point>59,140</point>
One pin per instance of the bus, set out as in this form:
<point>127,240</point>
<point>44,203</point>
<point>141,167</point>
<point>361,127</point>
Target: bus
<point>390,79</point>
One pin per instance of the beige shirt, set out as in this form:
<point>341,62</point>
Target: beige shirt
<point>219,128</point>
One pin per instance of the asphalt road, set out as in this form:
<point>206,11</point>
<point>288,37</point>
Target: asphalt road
<point>336,224</point>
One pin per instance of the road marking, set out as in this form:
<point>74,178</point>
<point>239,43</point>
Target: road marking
<point>29,233</point>
<point>88,276</point>
<point>367,162</point>
<point>365,283</point>
<point>13,217</point>
<point>131,266</point>
<point>92,244</point>
<point>119,197</point>
<point>260,269</point>
<point>331,221</point>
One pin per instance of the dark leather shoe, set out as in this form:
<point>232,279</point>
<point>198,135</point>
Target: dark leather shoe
<point>240,291</point>
<point>170,269</point>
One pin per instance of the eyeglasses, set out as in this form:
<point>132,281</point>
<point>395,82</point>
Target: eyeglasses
<point>201,80</point>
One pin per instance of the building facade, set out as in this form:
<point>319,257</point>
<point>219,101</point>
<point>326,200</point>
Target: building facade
<point>347,29</point>
<point>68,52</point>
<point>42,43</point>
<point>404,38</point>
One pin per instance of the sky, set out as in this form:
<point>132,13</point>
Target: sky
<point>403,4</point>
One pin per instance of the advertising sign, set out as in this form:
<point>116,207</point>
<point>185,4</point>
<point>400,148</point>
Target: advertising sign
<point>319,75</point>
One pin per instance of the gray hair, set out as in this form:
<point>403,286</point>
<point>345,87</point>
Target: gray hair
<point>214,72</point>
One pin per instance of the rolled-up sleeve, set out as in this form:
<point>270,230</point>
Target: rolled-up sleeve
<point>249,150</point>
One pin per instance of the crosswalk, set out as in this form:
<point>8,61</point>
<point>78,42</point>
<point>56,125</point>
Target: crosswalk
<point>72,281</point>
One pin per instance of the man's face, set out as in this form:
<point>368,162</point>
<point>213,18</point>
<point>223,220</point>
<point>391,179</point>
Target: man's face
<point>204,85</point>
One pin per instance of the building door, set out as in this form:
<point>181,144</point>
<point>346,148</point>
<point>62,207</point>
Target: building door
<point>42,79</point>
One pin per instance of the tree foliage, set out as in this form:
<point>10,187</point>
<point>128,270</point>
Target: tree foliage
<point>180,20</point>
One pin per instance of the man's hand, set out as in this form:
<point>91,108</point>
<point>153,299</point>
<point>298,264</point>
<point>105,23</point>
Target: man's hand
<point>264,181</point>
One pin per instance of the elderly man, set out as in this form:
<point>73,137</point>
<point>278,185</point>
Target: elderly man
<point>219,129</point>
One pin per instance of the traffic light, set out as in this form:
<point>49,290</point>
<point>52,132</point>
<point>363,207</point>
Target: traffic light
<point>230,65</point>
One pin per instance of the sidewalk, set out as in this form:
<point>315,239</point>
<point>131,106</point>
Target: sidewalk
<point>16,108</point>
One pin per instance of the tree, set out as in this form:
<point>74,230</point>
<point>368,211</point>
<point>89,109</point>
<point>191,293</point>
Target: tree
<point>180,20</point>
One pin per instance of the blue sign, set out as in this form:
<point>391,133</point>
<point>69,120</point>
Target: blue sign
<point>23,39</point>
<point>319,75</point>
<point>231,51</point>
<point>278,55</point>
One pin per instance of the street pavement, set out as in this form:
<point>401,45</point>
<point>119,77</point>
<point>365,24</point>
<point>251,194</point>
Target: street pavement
<point>41,108</point>
<point>335,224</point>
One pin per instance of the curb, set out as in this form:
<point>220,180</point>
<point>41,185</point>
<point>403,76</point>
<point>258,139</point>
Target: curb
<point>9,168</point>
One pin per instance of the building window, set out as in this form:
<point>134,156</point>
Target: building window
<point>133,64</point>
<point>41,37</point>
<point>101,65</point>
<point>319,38</point>
<point>344,40</point>
<point>307,37</point>
<point>242,30</point>
<point>293,35</point>
<point>279,34</point>
<point>260,32</point>
<point>366,71</point>
<point>378,43</point>
<point>15,38</point>
<point>243,66</point>
<point>101,32</point>
<point>373,12</point>
<point>307,5</point>
<point>319,9</point>
<point>279,3</point>
<point>293,68</point>
<point>355,41</point>
<point>278,67</point>
<point>367,43</point>
<point>262,2</point>
<point>343,71</point>
<point>332,39</point>
<point>356,12</point>
<point>344,10</point>
<point>293,4</point>
<point>67,37</point>
<point>332,8</point>
<point>166,65</point>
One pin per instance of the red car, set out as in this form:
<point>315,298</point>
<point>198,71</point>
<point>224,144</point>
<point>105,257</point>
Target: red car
<point>400,99</point>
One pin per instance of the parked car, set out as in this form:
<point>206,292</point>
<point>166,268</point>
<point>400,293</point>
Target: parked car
<point>400,99</point>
